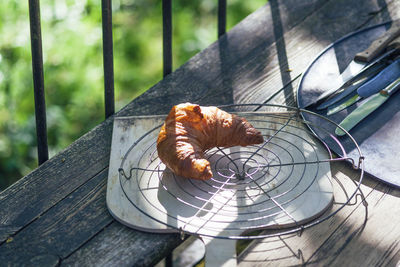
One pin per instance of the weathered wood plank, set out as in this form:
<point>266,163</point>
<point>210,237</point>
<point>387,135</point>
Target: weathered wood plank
<point>75,220</point>
<point>120,245</point>
<point>64,227</point>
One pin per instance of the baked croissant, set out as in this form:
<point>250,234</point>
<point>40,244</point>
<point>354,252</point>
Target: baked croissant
<point>189,130</point>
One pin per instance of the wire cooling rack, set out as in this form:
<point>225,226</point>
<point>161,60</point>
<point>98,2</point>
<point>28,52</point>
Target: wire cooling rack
<point>283,184</point>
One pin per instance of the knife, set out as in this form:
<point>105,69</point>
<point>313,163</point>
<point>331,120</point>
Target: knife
<point>393,47</point>
<point>369,70</point>
<point>358,80</point>
<point>366,108</point>
<point>355,68</point>
<point>372,86</point>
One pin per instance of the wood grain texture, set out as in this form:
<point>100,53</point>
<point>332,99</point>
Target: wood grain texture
<point>59,210</point>
<point>64,227</point>
<point>122,246</point>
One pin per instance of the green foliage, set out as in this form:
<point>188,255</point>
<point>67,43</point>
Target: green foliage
<point>73,71</point>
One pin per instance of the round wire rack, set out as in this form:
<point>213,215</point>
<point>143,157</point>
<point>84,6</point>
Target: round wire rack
<point>253,188</point>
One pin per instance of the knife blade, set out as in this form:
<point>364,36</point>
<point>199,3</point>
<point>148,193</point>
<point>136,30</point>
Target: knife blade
<point>372,86</point>
<point>335,109</point>
<point>366,108</point>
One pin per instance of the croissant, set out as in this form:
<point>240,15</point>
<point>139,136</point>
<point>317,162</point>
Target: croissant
<point>190,129</point>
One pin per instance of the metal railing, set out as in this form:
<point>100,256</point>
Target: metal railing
<point>38,80</point>
<point>108,62</point>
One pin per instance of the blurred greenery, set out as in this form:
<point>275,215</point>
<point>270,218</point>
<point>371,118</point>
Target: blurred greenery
<point>73,71</point>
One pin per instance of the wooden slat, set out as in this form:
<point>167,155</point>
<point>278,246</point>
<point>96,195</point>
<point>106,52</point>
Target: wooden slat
<point>119,245</point>
<point>74,221</point>
<point>63,228</point>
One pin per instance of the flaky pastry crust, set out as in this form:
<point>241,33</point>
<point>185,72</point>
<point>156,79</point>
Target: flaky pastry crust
<point>190,129</point>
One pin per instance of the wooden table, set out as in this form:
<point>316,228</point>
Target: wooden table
<point>57,214</point>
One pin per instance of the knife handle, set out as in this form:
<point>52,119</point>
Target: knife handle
<point>380,81</point>
<point>379,44</point>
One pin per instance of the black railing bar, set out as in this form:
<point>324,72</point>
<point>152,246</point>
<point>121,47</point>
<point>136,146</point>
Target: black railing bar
<point>106,12</point>
<point>167,36</point>
<point>221,17</point>
<point>167,64</point>
<point>38,80</point>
